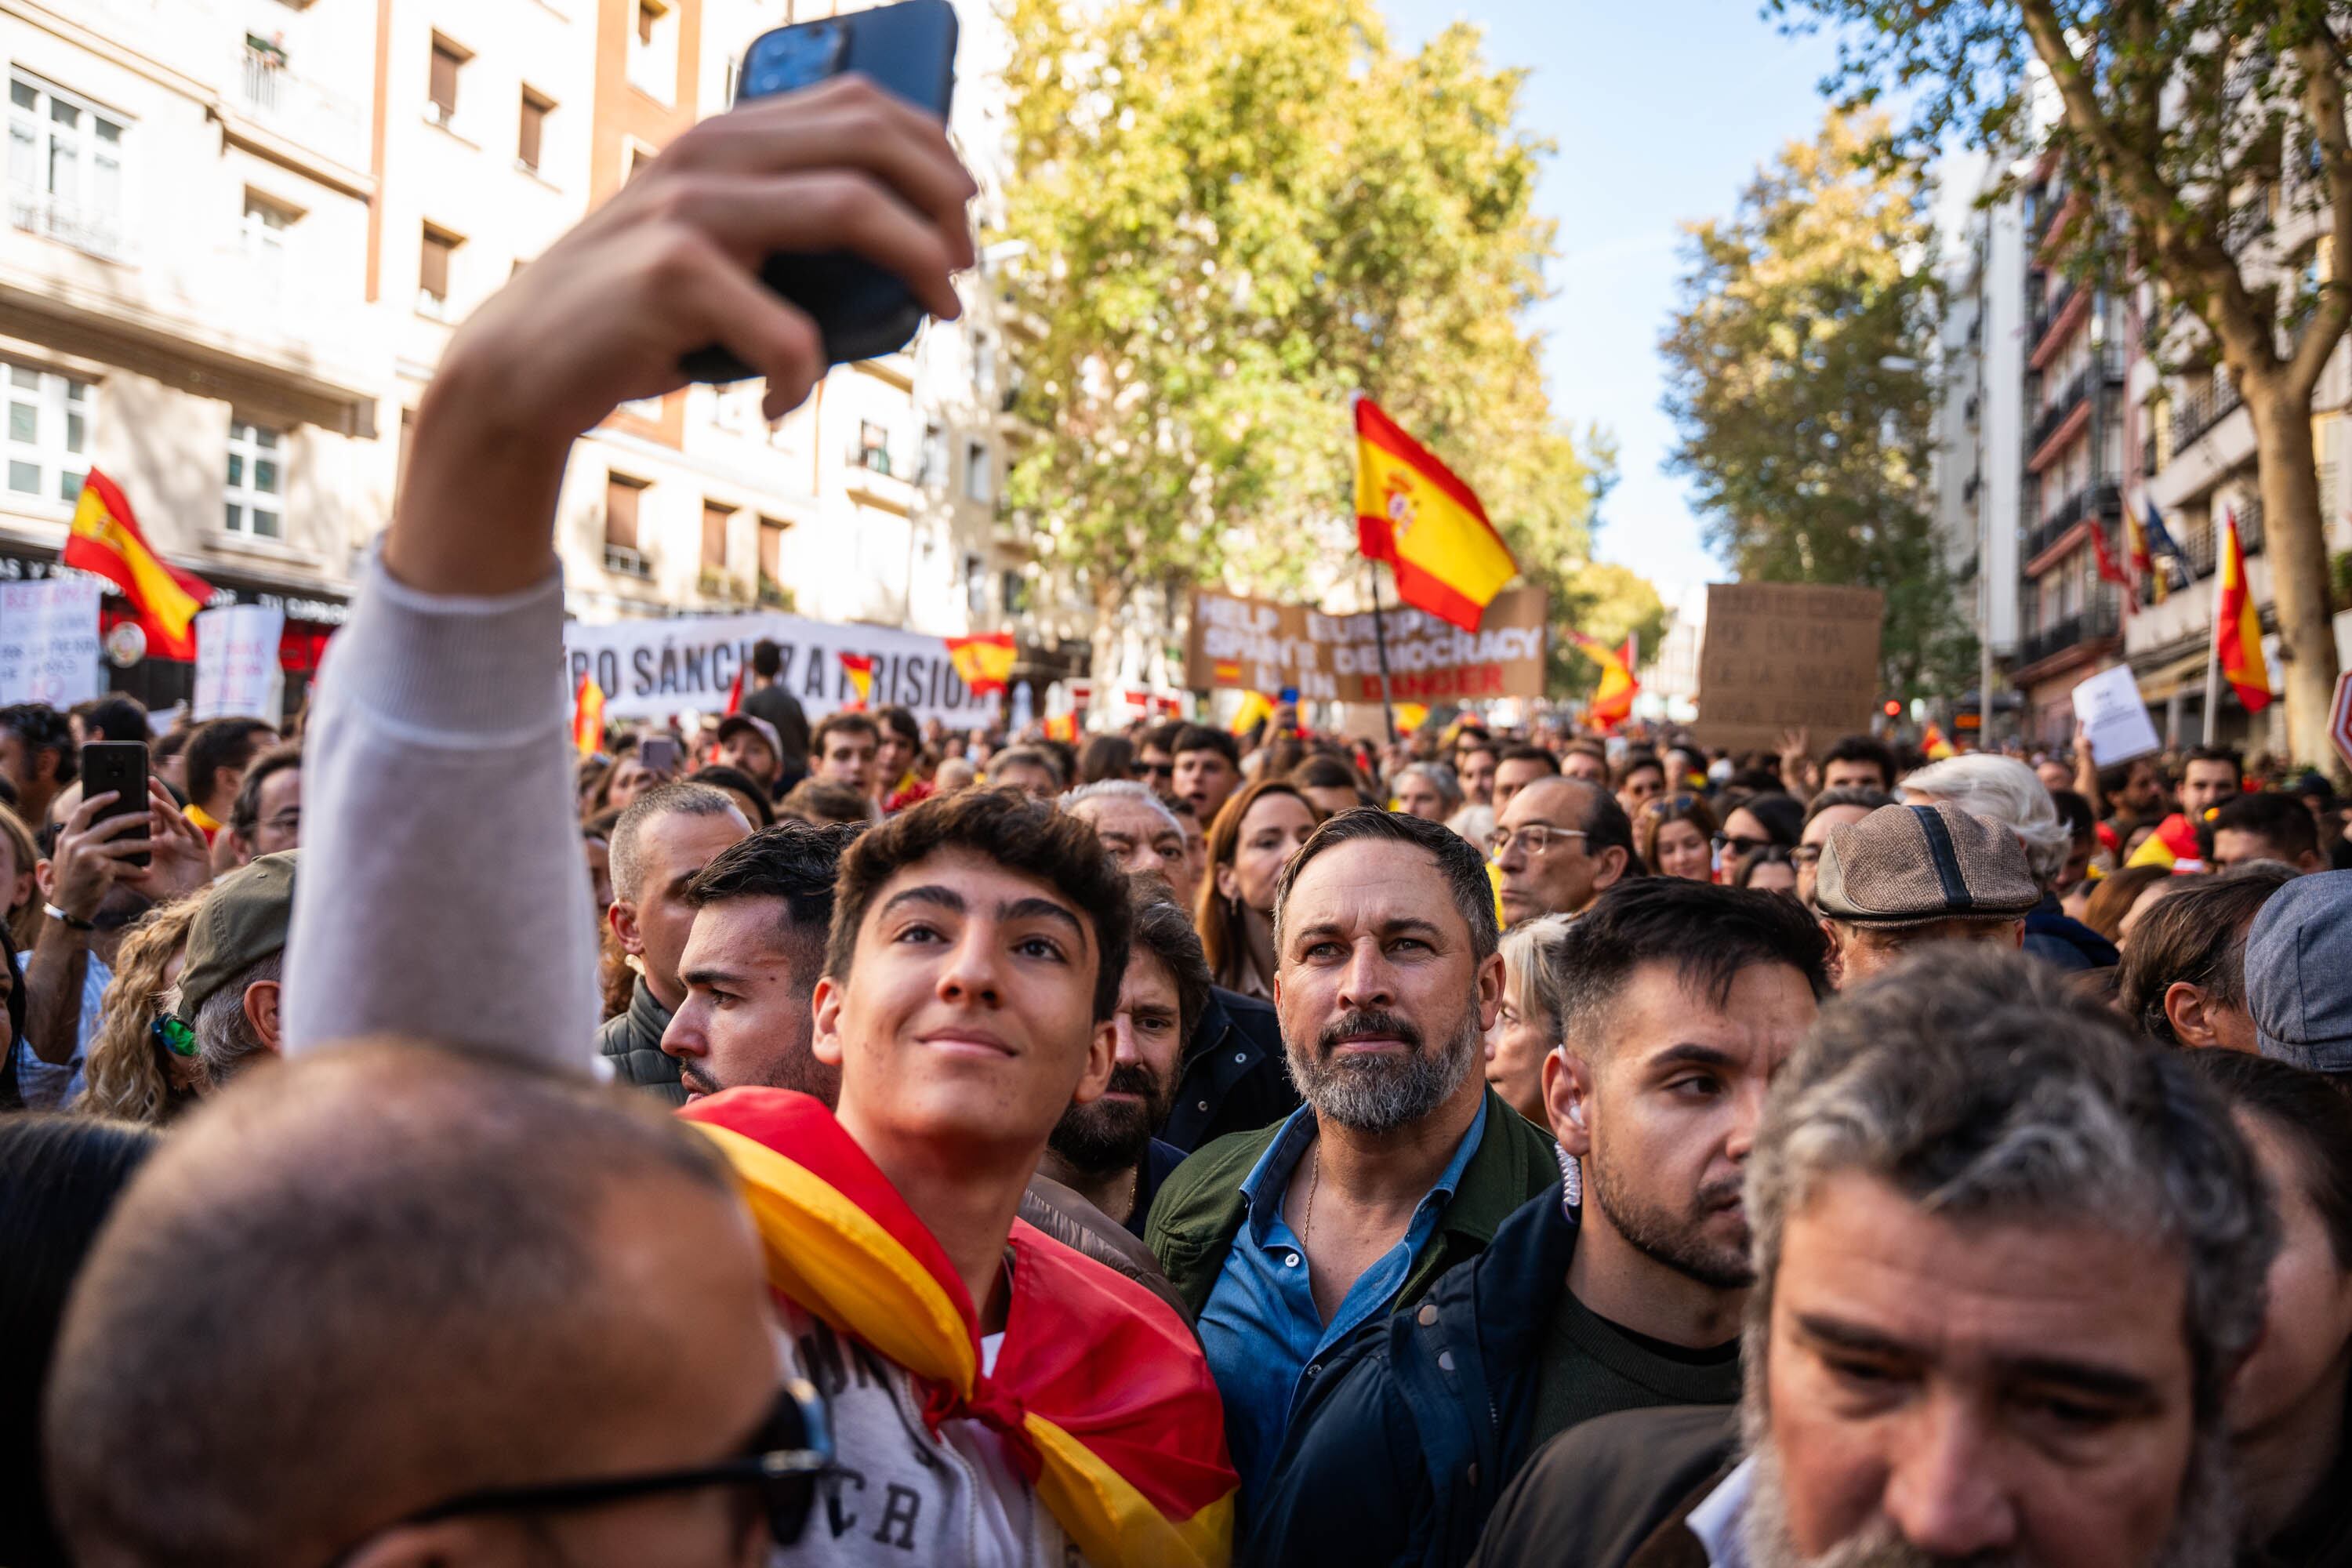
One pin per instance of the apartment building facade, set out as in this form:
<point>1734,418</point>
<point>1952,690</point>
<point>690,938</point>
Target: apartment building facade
<point>241,232</point>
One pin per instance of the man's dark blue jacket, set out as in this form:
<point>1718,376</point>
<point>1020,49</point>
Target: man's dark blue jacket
<point>1402,1449</point>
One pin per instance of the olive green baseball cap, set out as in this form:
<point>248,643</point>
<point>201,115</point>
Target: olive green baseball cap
<point>244,920</point>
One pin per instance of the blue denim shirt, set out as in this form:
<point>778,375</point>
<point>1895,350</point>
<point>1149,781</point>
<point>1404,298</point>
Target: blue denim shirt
<point>1261,1330</point>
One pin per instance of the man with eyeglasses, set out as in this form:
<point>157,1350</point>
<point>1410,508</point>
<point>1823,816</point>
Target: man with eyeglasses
<point>267,817</point>
<point>1831,808</point>
<point>1560,844</point>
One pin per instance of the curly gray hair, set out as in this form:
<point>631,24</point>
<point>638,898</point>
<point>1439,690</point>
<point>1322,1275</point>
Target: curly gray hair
<point>2003,790</point>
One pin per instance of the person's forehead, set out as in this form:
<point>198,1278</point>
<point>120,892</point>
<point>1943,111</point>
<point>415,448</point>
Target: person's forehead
<point>1555,803</point>
<point>744,933</point>
<point>1202,757</point>
<point>1661,1006</point>
<point>678,837</point>
<point>2210,767</point>
<point>1977,1292</point>
<point>981,882</point>
<point>1132,818</point>
<point>1817,831</point>
<point>1369,879</point>
<point>281,785</point>
<point>1147,979</point>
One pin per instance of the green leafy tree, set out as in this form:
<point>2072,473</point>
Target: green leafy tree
<point>1799,376</point>
<point>1233,216</point>
<point>2188,122</point>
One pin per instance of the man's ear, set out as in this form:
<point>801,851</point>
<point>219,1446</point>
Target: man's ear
<point>1490,991</point>
<point>1836,963</point>
<point>261,1011</point>
<point>623,917</point>
<point>44,876</point>
<point>1612,862</point>
<point>1568,1101</point>
<point>825,1007</point>
<point>1102,1055</point>
<point>2185,1009</point>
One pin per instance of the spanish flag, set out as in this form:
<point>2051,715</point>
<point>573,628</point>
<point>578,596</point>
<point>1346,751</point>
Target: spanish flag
<point>1412,513</point>
<point>1410,716</point>
<point>2144,567</point>
<point>859,668</point>
<point>105,540</point>
<point>984,660</point>
<point>2173,845</point>
<point>2238,625</point>
<point>1132,1466</point>
<point>1612,699</point>
<point>588,717</point>
<point>1933,743</point>
<point>1257,708</point>
<point>1063,727</point>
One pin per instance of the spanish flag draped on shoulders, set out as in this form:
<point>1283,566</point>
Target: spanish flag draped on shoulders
<point>1095,1402</point>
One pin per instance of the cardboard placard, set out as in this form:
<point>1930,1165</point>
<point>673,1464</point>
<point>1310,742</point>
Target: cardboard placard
<point>1784,655</point>
<point>237,673</point>
<point>49,641</point>
<point>1258,645</point>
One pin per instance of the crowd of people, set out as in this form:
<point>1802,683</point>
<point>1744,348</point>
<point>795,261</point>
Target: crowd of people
<point>851,1141</point>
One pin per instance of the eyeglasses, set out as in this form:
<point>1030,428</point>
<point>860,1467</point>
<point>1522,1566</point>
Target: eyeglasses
<point>781,1462</point>
<point>1536,839</point>
<point>1736,846</point>
<point>175,1035</point>
<point>1156,770</point>
<point>1805,855</point>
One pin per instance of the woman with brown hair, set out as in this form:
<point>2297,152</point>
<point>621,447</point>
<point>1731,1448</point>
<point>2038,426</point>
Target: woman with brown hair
<point>23,913</point>
<point>2115,894</point>
<point>1251,841</point>
<point>131,1071</point>
<point>1676,836</point>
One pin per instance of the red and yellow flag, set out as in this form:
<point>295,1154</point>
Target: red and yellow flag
<point>1063,727</point>
<point>1413,513</point>
<point>2238,625</point>
<point>1410,716</point>
<point>859,668</point>
<point>2172,845</point>
<point>1257,708</point>
<point>588,717</point>
<point>983,659</point>
<point>1133,1465</point>
<point>1612,699</point>
<point>1932,742</point>
<point>105,540</point>
<point>2142,558</point>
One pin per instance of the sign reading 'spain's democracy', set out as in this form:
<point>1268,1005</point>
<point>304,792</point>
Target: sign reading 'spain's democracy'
<point>1262,645</point>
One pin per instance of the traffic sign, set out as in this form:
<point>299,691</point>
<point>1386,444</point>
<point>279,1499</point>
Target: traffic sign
<point>2339,718</point>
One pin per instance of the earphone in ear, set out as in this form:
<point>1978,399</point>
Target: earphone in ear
<point>1576,1114</point>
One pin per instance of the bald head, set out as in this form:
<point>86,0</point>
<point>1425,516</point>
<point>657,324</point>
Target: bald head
<point>360,1284</point>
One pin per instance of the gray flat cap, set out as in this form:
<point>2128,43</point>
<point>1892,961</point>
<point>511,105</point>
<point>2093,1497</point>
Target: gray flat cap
<point>2299,974</point>
<point>1915,865</point>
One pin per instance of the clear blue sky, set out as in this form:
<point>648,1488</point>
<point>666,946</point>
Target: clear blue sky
<point>1661,110</point>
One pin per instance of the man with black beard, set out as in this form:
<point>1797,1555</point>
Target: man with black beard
<point>1681,1002</point>
<point>1105,1150</point>
<point>1402,1162</point>
<point>2008,1260</point>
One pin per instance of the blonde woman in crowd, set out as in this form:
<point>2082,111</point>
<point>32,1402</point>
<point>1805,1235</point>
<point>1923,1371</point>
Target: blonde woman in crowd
<point>131,1072</point>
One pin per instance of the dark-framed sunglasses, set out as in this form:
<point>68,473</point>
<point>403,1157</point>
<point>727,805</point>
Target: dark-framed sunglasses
<point>781,1462</point>
<point>1731,845</point>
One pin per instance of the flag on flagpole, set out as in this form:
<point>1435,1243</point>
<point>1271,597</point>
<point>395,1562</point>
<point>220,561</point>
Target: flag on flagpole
<point>2143,563</point>
<point>1413,513</point>
<point>105,540</point>
<point>1612,699</point>
<point>1932,742</point>
<point>1410,716</point>
<point>2165,548</point>
<point>1257,708</point>
<point>2110,569</point>
<point>734,696</point>
<point>588,717</point>
<point>1063,727</point>
<point>984,660</point>
<point>2238,625</point>
<point>859,668</point>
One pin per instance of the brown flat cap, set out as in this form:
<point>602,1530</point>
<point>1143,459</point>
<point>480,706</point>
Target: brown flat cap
<point>1910,865</point>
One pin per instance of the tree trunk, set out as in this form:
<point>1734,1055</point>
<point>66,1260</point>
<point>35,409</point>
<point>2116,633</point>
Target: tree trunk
<point>2296,538</point>
<point>1108,598</point>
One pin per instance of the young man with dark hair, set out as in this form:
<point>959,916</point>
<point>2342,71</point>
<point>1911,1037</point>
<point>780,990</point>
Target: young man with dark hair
<point>114,717</point>
<point>843,752</point>
<point>267,816</point>
<point>2209,776</point>
<point>1286,1241</point>
<point>1639,779</point>
<point>753,950</point>
<point>1155,756</point>
<point>2134,792</point>
<point>965,999</point>
<point>1858,762</point>
<point>37,756</point>
<point>769,700</point>
<point>1587,762</point>
<point>1682,1001</point>
<point>2183,976</point>
<point>1520,767</point>
<point>218,755</point>
<point>659,846</point>
<point>2266,827</point>
<point>749,744</point>
<point>1030,769</point>
<point>898,742</point>
<point>1208,769</point>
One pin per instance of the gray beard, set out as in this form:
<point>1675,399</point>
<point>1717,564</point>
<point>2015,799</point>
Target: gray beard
<point>2203,1530</point>
<point>1380,1095</point>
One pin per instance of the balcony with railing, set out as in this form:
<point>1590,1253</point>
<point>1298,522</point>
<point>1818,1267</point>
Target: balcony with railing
<point>2100,500</point>
<point>275,98</point>
<point>2101,620</point>
<point>2200,404</point>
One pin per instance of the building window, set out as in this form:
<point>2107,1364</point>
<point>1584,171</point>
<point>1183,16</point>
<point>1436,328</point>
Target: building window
<point>257,480</point>
<point>979,472</point>
<point>933,468</point>
<point>622,554</point>
<point>261,235</point>
<point>48,433</point>
<point>65,167</point>
<point>653,50</point>
<point>714,521</point>
<point>772,549</point>
<point>441,85</point>
<point>536,107</point>
<point>975,585</point>
<point>262,74</point>
<point>433,265</point>
<point>1016,593</point>
<point>873,446</point>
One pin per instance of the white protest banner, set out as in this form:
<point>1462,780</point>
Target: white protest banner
<point>651,669</point>
<point>236,662</point>
<point>49,641</point>
<point>2115,720</point>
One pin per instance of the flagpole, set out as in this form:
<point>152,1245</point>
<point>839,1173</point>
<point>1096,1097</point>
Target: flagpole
<point>1380,641</point>
<point>2213,656</point>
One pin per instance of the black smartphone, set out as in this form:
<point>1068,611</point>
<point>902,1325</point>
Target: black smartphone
<point>908,48</point>
<point>658,753</point>
<point>119,766</point>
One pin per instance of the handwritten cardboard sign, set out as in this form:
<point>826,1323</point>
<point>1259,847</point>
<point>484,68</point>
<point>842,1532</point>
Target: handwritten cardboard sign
<point>49,641</point>
<point>1782,655</point>
<point>237,674</point>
